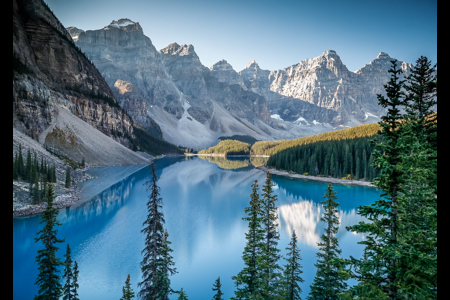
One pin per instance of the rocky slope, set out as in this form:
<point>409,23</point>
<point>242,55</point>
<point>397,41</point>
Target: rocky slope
<point>192,107</point>
<point>325,82</point>
<point>56,88</point>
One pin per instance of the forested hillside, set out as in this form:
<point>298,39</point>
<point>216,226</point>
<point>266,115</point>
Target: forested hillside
<point>349,158</point>
<point>228,147</point>
<point>272,147</point>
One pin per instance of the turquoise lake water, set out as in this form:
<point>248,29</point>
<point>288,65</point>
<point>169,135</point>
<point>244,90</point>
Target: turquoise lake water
<point>203,207</point>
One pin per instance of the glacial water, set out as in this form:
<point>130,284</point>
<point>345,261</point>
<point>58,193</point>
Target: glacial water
<point>203,206</point>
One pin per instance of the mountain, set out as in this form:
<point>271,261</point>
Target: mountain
<point>192,107</point>
<point>325,82</point>
<point>59,98</point>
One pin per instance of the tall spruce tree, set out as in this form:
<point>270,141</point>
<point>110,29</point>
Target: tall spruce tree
<point>165,267</point>
<point>20,164</point>
<point>248,281</point>
<point>380,266</point>
<point>127,291</point>
<point>155,266</point>
<point>182,295</point>
<point>68,275</point>
<point>217,287</point>
<point>68,180</point>
<point>292,270</point>
<point>48,278</point>
<point>75,285</point>
<point>28,167</point>
<point>330,277</point>
<point>417,271</point>
<point>270,253</point>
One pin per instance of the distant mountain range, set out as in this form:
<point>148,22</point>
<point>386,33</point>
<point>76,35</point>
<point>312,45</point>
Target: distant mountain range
<point>97,94</point>
<point>194,105</point>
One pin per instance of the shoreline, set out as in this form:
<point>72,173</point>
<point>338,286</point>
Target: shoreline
<point>224,155</point>
<point>322,179</point>
<point>63,197</point>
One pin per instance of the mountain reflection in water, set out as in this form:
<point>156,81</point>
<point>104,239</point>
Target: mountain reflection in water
<point>203,206</point>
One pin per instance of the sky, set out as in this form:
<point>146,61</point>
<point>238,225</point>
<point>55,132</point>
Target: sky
<point>275,33</point>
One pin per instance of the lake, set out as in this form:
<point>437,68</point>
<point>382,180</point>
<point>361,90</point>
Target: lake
<point>203,205</point>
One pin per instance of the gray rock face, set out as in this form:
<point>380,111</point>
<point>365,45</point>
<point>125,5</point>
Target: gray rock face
<point>192,107</point>
<point>326,82</point>
<point>224,72</point>
<point>320,89</point>
<point>50,74</point>
<point>185,98</point>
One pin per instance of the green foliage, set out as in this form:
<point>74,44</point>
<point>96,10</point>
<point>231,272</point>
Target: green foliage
<point>75,285</point>
<point>272,147</point>
<point>157,264</point>
<point>270,253</point>
<point>68,180</point>
<point>217,288</point>
<point>335,158</point>
<point>228,147</point>
<point>68,275</point>
<point>242,138</point>
<point>48,279</point>
<point>153,146</point>
<point>127,292</point>
<point>400,258</point>
<point>290,290</point>
<point>249,280</point>
<point>330,277</point>
<point>36,175</point>
<point>182,295</point>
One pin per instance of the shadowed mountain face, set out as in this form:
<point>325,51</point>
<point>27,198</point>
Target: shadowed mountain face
<point>59,97</point>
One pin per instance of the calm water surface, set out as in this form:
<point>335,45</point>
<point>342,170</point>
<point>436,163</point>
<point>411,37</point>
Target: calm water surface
<point>203,207</point>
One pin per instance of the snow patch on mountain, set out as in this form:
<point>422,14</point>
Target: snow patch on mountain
<point>368,114</point>
<point>276,117</point>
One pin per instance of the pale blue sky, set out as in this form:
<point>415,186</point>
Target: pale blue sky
<point>275,33</point>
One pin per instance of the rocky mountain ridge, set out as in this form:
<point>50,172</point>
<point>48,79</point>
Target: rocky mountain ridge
<point>323,81</point>
<point>55,86</point>
<point>171,86</point>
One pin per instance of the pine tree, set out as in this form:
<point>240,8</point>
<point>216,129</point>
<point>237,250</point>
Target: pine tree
<point>155,266</point>
<point>35,192</point>
<point>417,272</point>
<point>48,263</point>
<point>20,165</point>
<point>127,292</point>
<point>75,285</point>
<point>380,268</point>
<point>67,185</point>
<point>332,167</point>
<point>28,169</point>
<point>217,288</point>
<point>292,270</point>
<point>330,277</point>
<point>68,275</point>
<point>182,295</point>
<point>165,267</point>
<point>270,252</point>
<point>15,167</point>
<point>248,280</point>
